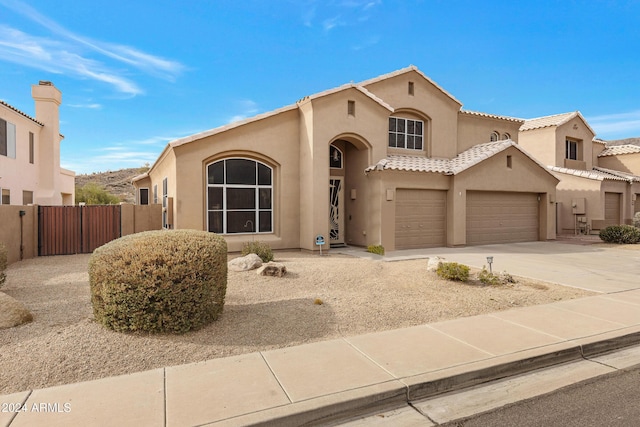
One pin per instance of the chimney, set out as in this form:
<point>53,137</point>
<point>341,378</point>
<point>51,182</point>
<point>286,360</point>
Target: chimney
<point>47,101</point>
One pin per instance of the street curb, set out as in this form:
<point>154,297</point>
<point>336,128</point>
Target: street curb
<point>333,409</point>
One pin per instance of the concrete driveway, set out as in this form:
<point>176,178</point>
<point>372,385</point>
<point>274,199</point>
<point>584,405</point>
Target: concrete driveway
<point>592,267</point>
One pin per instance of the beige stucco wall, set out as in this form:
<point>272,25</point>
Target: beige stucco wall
<point>435,107</point>
<point>525,175</point>
<point>474,130</point>
<point>50,184</point>
<point>623,162</point>
<point>11,230</point>
<point>18,174</point>
<point>541,144</point>
<point>575,129</point>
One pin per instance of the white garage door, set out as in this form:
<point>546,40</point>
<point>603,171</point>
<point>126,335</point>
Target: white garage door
<point>420,218</point>
<point>501,217</point>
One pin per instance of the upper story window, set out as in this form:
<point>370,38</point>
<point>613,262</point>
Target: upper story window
<point>31,148</point>
<point>155,194</point>
<point>406,133</point>
<point>239,197</point>
<point>165,203</point>
<point>6,196</point>
<point>506,136</point>
<point>495,136</point>
<point>571,149</point>
<point>7,139</point>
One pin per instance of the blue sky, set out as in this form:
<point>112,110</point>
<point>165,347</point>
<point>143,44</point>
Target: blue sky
<point>136,74</point>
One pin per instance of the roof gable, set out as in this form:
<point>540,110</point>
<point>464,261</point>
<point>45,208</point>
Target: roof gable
<point>555,120</point>
<point>409,69</point>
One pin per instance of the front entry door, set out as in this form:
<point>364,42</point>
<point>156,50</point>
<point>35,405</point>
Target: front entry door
<point>336,214</point>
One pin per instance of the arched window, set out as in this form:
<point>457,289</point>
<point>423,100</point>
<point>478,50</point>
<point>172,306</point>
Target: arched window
<point>335,157</point>
<point>239,197</point>
<point>495,136</point>
<point>506,136</point>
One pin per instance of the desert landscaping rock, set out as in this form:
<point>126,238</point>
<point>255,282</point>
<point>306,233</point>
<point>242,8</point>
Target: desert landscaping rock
<point>12,312</point>
<point>273,269</point>
<point>63,344</point>
<point>433,262</point>
<point>248,262</point>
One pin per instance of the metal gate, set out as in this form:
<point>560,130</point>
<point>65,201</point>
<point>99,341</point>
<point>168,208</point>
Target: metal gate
<point>66,230</point>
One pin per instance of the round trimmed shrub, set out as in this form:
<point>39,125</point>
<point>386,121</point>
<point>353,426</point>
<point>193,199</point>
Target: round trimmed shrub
<point>3,263</point>
<point>262,249</point>
<point>453,271</point>
<point>159,281</point>
<point>620,234</point>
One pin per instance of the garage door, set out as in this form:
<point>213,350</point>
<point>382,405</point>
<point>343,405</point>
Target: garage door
<point>420,218</point>
<point>501,217</point>
<point>611,209</point>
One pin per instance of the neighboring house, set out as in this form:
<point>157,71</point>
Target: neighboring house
<point>393,160</point>
<point>30,171</point>
<point>625,159</point>
<point>593,192</point>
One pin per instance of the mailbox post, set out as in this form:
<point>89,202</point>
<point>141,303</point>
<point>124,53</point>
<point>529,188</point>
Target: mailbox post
<point>320,242</point>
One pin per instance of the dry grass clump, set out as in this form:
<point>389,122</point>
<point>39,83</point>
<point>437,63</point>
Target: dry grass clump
<point>159,281</point>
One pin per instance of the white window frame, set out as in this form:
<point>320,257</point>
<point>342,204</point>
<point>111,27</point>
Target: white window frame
<point>2,190</point>
<point>495,136</point>
<point>155,194</point>
<point>256,209</point>
<point>569,143</point>
<point>10,132</point>
<point>405,133</point>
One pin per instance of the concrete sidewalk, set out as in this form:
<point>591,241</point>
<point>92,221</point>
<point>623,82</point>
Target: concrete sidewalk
<point>326,381</point>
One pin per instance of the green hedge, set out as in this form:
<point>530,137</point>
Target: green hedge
<point>620,234</point>
<point>376,249</point>
<point>3,263</point>
<point>159,281</point>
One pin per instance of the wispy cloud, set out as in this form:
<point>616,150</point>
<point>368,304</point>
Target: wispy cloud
<point>338,13</point>
<point>89,106</point>
<point>616,125</point>
<point>247,108</point>
<point>370,41</point>
<point>82,57</point>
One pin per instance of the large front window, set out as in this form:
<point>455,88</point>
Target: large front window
<point>239,197</point>
<point>406,133</point>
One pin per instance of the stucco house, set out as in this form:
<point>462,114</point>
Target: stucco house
<point>393,160</point>
<point>30,169</point>
<point>595,189</point>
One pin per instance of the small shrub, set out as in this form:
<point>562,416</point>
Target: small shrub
<point>3,263</point>
<point>453,271</point>
<point>488,278</point>
<point>262,249</point>
<point>376,249</point>
<point>159,281</point>
<point>318,301</point>
<point>620,234</point>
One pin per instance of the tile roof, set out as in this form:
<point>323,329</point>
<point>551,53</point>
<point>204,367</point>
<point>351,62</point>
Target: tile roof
<point>620,149</point>
<point>598,174</point>
<point>555,120</point>
<point>492,116</point>
<point>20,112</point>
<point>461,162</point>
<point>629,177</point>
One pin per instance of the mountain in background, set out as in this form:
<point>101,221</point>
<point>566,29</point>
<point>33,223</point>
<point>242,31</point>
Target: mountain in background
<point>630,141</point>
<point>117,182</point>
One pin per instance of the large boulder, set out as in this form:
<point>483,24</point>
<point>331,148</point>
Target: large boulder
<point>433,262</point>
<point>12,312</point>
<point>245,263</point>
<point>271,268</point>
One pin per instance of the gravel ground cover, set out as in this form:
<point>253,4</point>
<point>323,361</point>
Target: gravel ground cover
<point>64,344</point>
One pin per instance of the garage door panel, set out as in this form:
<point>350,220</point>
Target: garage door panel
<point>420,218</point>
<point>612,208</point>
<point>501,217</point>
